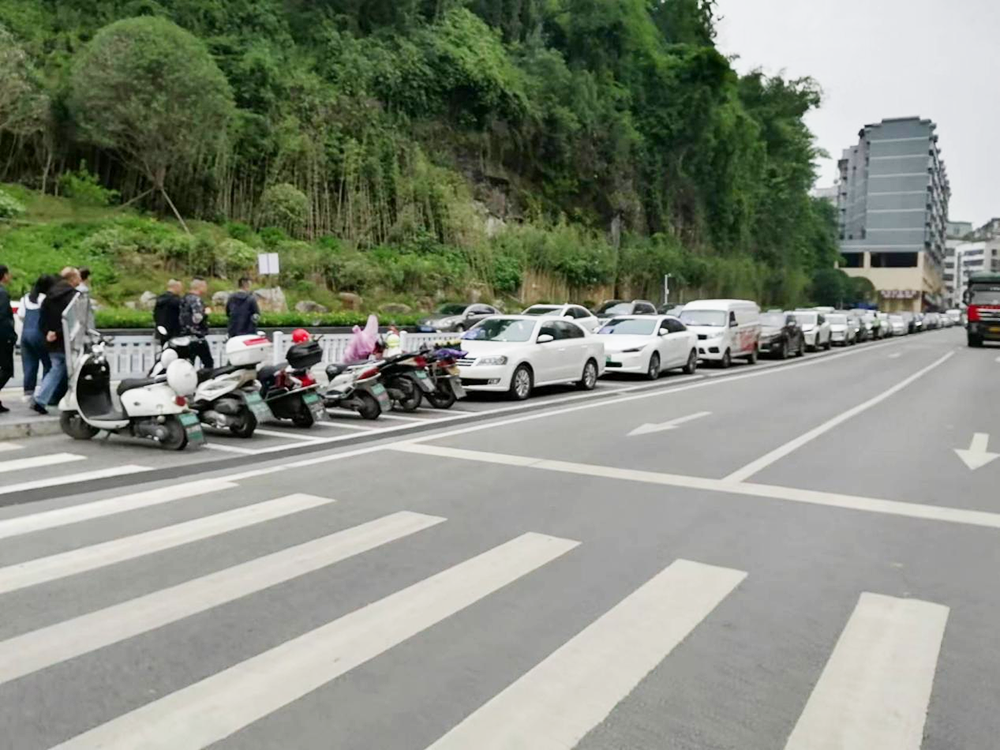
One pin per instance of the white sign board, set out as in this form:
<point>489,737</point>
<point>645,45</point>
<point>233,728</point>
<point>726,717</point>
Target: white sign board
<point>267,264</point>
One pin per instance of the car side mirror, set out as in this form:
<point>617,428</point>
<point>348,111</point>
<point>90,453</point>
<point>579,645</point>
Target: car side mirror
<point>733,324</point>
<point>664,331</point>
<point>544,339</point>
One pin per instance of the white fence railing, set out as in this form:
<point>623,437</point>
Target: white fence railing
<point>133,356</point>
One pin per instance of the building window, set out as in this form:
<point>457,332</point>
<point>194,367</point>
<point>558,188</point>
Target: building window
<point>894,260</point>
<point>853,260</point>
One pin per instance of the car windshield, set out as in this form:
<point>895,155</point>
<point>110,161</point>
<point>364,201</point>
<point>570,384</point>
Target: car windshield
<point>542,310</point>
<point>985,296</point>
<point>704,318</point>
<point>836,320</point>
<point>773,320</point>
<point>452,309</point>
<point>806,318</point>
<point>501,329</point>
<point>629,326</point>
<point>615,308</point>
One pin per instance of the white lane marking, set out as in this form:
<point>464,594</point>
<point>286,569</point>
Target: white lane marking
<point>772,492</point>
<point>875,689</point>
<point>39,462</point>
<point>741,475</point>
<point>364,427</point>
<point>217,706</point>
<point>401,418</point>
<point>51,519</point>
<point>5,446</point>
<point>86,476</point>
<point>557,702</point>
<point>672,424</point>
<point>998,359</point>
<point>232,449</point>
<point>285,434</point>
<point>42,648</point>
<point>44,569</point>
<point>978,455</point>
<point>895,355</point>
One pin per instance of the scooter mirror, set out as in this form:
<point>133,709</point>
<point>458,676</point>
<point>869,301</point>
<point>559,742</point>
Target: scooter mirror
<point>161,330</point>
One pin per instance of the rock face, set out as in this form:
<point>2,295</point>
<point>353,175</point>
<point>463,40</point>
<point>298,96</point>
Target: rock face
<point>396,308</point>
<point>147,301</point>
<point>307,306</point>
<point>271,300</point>
<point>351,301</point>
<point>132,305</point>
<point>219,300</point>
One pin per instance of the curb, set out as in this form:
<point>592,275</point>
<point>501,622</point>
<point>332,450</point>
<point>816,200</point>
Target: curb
<point>35,428</point>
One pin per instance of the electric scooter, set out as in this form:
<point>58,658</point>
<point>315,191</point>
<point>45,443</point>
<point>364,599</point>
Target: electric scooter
<point>357,388</point>
<point>445,375</point>
<point>289,389</point>
<point>154,408</point>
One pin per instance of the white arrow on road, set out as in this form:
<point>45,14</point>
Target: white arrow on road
<point>977,456</point>
<point>673,424</point>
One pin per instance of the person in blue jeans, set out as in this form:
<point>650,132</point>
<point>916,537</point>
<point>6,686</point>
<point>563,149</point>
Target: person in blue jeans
<point>60,295</point>
<point>33,350</point>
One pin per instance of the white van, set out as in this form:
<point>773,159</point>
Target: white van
<point>727,329</point>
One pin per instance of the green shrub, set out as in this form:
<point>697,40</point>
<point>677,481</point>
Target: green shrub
<point>84,188</point>
<point>285,206</point>
<point>234,256</point>
<point>141,319</point>
<point>10,208</point>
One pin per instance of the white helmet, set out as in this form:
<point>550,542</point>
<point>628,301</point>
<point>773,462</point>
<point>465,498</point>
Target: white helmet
<point>182,377</point>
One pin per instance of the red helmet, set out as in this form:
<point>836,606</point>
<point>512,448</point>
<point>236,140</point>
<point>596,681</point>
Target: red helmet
<point>300,336</point>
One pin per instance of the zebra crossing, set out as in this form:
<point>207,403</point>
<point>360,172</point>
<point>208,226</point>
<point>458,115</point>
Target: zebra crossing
<point>873,692</point>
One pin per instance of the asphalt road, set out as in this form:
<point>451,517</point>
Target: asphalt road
<point>782,556</point>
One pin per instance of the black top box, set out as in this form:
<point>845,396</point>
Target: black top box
<point>303,356</point>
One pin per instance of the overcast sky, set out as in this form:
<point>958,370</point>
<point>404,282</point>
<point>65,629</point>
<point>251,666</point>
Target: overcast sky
<point>888,58</point>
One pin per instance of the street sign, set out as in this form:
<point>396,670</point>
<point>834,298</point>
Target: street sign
<point>267,264</point>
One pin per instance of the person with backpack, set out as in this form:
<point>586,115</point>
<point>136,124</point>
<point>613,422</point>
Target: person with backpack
<point>8,333</point>
<point>242,311</point>
<point>194,321</point>
<point>167,312</point>
<point>33,351</point>
<point>59,297</point>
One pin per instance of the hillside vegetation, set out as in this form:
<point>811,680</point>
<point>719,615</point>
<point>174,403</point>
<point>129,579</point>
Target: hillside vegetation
<point>410,149</point>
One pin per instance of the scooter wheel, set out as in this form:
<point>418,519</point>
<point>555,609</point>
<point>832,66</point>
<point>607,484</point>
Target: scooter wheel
<point>442,399</point>
<point>369,407</point>
<point>304,419</point>
<point>176,439</point>
<point>412,396</point>
<point>73,425</point>
<point>247,425</point>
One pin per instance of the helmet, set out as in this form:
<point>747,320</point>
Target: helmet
<point>300,336</point>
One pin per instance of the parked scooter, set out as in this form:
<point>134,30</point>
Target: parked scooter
<point>227,397</point>
<point>357,387</point>
<point>154,408</point>
<point>289,389</point>
<point>443,370</point>
<point>406,379</point>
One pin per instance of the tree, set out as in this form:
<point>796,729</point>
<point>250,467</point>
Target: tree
<point>860,291</point>
<point>23,106</point>
<point>830,287</point>
<point>150,90</point>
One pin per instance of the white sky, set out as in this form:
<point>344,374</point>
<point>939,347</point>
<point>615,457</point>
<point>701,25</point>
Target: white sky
<point>874,59</point>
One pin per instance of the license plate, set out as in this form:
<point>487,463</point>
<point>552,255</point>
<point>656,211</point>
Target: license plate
<point>192,425</point>
<point>315,405</point>
<point>456,386</point>
<point>420,374</point>
<point>994,329</point>
<point>310,398</point>
<point>260,410</point>
<point>378,389</point>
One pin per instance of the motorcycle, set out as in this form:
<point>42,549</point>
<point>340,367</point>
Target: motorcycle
<point>228,397</point>
<point>444,374</point>
<point>406,379</point>
<point>289,389</point>
<point>356,387</point>
<point>153,408</point>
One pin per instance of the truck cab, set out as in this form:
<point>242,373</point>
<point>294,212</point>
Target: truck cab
<point>983,314</point>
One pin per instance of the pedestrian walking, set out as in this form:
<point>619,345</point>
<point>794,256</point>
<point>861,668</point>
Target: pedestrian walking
<point>33,350</point>
<point>84,288</point>
<point>194,321</point>
<point>62,293</point>
<point>167,311</point>
<point>242,310</point>
<point>8,334</point>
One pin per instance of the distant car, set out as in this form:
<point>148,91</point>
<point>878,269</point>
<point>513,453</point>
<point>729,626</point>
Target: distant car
<point>780,335</point>
<point>674,310</point>
<point>577,313</point>
<point>899,325</point>
<point>843,330</point>
<point>517,353</point>
<point>615,308</point>
<point>885,325</point>
<point>815,328</point>
<point>456,317</point>
<point>955,316</point>
<point>865,319</point>
<point>642,345</point>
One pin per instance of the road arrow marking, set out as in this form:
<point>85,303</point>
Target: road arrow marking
<point>977,456</point>
<point>895,355</point>
<point>648,429</point>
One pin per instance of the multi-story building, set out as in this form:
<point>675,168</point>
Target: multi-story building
<point>893,206</point>
<point>956,233</point>
<point>979,251</point>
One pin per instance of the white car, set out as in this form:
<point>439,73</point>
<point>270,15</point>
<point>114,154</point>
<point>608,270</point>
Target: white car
<point>645,345</point>
<point>815,329</point>
<point>577,313</point>
<point>843,329</point>
<point>899,325</point>
<point>516,353</point>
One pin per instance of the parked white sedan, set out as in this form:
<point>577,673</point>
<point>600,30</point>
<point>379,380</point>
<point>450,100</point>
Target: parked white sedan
<point>647,345</point>
<point>516,353</point>
<point>579,314</point>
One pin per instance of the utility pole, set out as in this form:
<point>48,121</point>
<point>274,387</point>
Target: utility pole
<point>666,288</point>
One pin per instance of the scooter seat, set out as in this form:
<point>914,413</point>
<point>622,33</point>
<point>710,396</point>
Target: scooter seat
<point>336,369</point>
<point>130,384</point>
<point>206,374</point>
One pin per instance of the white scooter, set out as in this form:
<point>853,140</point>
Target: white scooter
<point>154,408</point>
<point>227,397</point>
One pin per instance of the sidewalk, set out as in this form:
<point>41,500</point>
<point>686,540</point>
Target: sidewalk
<point>22,422</point>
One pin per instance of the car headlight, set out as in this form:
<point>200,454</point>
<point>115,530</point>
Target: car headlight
<point>632,351</point>
<point>501,360</point>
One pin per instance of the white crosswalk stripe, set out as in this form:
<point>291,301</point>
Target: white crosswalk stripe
<point>65,640</point>
<point>224,703</point>
<point>39,462</point>
<point>875,689</point>
<point>71,479</point>
<point>53,567</point>
<point>555,704</point>
<point>6,446</point>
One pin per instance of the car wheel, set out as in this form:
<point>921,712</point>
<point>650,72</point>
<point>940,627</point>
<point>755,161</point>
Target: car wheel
<point>692,364</point>
<point>521,383</point>
<point>752,359</point>
<point>460,328</point>
<point>786,350</point>
<point>589,379</point>
<point>653,371</point>
<point>727,360</point>
<point>975,341</point>
<point>829,345</point>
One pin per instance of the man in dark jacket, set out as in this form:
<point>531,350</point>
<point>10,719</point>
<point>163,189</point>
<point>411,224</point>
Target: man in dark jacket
<point>8,334</point>
<point>242,311</point>
<point>194,321</point>
<point>55,303</point>
<point>167,311</point>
